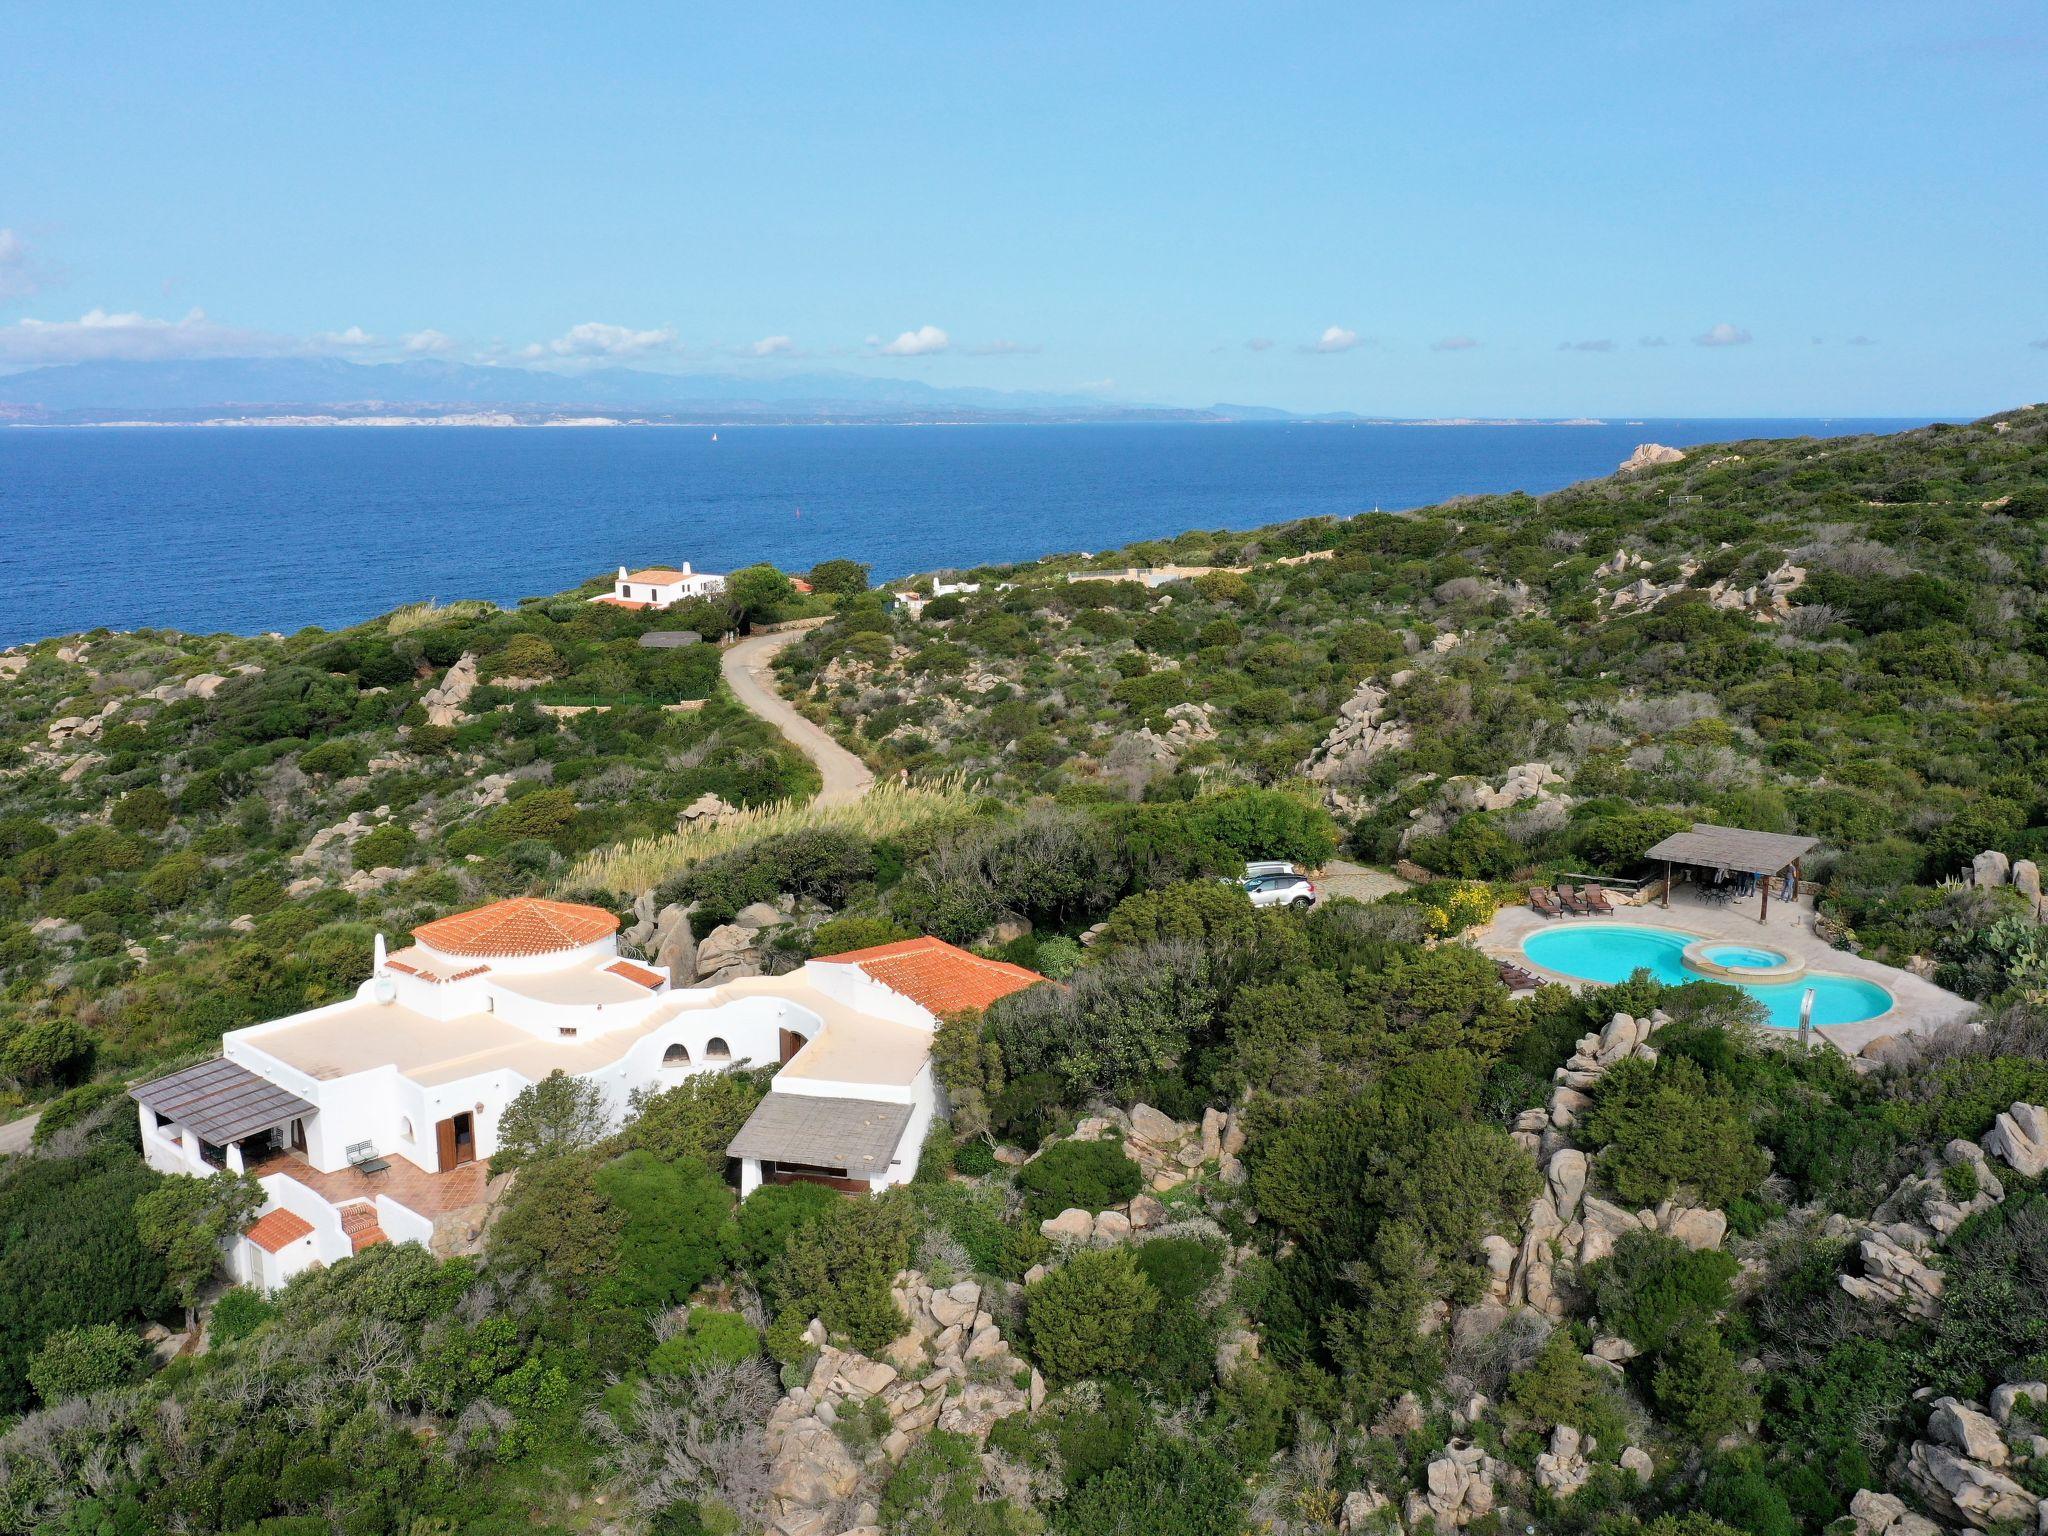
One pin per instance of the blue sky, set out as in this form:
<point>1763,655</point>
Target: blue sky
<point>1702,209</point>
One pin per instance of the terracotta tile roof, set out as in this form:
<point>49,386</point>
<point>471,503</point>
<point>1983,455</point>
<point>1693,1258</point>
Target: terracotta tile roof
<point>276,1230</point>
<point>621,602</point>
<point>939,977</point>
<point>657,575</point>
<point>519,925</point>
<point>636,973</point>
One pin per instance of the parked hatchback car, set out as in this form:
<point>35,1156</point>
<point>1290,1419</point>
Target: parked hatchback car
<point>1288,890</point>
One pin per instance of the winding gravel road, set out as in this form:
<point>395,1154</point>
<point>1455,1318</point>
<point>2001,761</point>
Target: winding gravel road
<point>747,673</point>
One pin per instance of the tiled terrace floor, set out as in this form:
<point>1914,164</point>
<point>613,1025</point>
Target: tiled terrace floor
<point>430,1194</point>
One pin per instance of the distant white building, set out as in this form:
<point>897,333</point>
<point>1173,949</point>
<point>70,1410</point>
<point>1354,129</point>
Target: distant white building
<point>660,586</point>
<point>371,1120</point>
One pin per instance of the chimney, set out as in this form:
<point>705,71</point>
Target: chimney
<point>377,957</point>
<point>686,567</point>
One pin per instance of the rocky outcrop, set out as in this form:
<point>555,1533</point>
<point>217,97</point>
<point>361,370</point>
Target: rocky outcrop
<point>1885,1514</point>
<point>1362,732</point>
<point>706,810</point>
<point>1990,869</point>
<point>1366,1512</point>
<point>728,951</point>
<point>2020,1137</point>
<point>1460,1488</point>
<point>1648,455</point>
<point>1566,1223</point>
<point>951,1370</point>
<point>1564,1468</point>
<point>1958,1469</point>
<point>444,704</point>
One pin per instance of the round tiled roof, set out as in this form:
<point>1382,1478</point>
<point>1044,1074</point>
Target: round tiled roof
<point>519,925</point>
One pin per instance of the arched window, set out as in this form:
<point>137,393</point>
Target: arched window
<point>715,1049</point>
<point>676,1056</point>
<point>405,1127</point>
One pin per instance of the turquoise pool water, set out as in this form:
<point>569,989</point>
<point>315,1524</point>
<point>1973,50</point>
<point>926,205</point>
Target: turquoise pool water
<point>1610,952</point>
<point>1744,956</point>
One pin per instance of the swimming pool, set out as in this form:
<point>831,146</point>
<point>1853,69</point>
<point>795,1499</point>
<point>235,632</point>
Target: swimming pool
<point>1610,952</point>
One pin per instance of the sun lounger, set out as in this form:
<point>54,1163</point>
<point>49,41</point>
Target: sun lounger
<point>1594,897</point>
<point>1542,901</point>
<point>1516,979</point>
<point>1569,900</point>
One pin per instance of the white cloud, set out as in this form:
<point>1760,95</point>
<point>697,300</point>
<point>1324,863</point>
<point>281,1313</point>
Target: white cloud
<point>771,346</point>
<point>429,341</point>
<point>1597,344</point>
<point>1454,344</point>
<point>1722,335</point>
<point>98,336</point>
<point>1260,344</point>
<point>1003,349</point>
<point>354,336</point>
<point>1335,339</point>
<point>17,275</point>
<point>922,342</point>
<point>594,338</point>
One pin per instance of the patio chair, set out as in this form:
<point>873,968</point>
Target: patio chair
<point>362,1156</point>
<point>1542,901</point>
<point>1596,898</point>
<point>1571,903</point>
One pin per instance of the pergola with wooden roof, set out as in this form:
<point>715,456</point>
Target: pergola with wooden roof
<point>1763,854</point>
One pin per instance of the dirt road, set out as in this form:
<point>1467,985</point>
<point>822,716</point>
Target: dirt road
<point>748,674</point>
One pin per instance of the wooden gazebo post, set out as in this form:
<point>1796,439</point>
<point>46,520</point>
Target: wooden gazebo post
<point>1766,912</point>
<point>1667,885</point>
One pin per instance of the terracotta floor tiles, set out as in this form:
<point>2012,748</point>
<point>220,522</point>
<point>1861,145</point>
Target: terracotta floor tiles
<point>430,1194</point>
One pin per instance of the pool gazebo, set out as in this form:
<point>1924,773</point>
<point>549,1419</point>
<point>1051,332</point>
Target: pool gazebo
<point>1767,855</point>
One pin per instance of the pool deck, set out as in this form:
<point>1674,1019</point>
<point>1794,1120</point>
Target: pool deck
<point>1918,1007</point>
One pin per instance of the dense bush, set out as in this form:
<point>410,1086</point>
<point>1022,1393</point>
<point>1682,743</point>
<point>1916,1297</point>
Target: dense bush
<point>1089,1316</point>
<point>1088,1175</point>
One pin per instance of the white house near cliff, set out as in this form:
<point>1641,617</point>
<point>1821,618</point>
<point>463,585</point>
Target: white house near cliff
<point>372,1120</point>
<point>660,586</point>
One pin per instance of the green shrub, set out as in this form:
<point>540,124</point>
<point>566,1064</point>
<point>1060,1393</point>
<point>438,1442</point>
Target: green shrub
<point>1667,1128</point>
<point>677,1232</point>
<point>711,1338</point>
<point>771,1214</point>
<point>1090,1175</point>
<point>1089,1316</point>
<point>75,1106</point>
<point>1651,1288</point>
<point>77,1361</point>
<point>238,1313</point>
<point>387,847</point>
<point>840,1269</point>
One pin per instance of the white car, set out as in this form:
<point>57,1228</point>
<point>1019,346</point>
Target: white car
<point>1276,890</point>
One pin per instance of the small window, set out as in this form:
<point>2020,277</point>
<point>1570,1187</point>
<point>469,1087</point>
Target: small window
<point>715,1049</point>
<point>676,1056</point>
<point>567,1032</point>
<point>405,1127</point>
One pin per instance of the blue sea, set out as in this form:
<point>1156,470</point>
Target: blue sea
<point>252,529</point>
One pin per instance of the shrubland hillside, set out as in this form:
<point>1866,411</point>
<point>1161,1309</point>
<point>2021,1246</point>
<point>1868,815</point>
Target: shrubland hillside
<point>1276,1221</point>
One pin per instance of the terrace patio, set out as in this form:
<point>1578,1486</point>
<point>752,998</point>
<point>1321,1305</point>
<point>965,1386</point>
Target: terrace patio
<point>431,1195</point>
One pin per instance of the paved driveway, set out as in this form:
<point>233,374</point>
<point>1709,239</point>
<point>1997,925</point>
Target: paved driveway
<point>15,1134</point>
<point>747,673</point>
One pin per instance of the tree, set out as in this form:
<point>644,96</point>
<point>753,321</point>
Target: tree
<point>773,1213</point>
<point>1652,1287</point>
<point>557,1115</point>
<point>558,1221</point>
<point>529,656</point>
<point>186,1221</point>
<point>76,1361</point>
<point>758,590</point>
<point>1085,1175</point>
<point>839,577</point>
<point>1088,1316</point>
<point>969,1066</point>
<point>676,1227</point>
<point>145,809</point>
<point>46,1052</point>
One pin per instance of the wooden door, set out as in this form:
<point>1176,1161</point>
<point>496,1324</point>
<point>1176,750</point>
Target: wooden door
<point>792,1042</point>
<point>444,1143</point>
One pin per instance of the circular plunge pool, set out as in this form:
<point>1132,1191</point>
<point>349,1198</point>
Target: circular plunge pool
<point>1719,960</point>
<point>1611,952</point>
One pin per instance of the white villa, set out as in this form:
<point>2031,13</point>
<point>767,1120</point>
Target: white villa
<point>659,586</point>
<point>371,1120</point>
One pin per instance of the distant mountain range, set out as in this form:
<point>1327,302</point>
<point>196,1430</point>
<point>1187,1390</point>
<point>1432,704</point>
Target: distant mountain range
<point>260,389</point>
